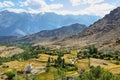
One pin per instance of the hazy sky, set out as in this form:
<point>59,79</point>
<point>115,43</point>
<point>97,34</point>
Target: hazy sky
<point>75,7</point>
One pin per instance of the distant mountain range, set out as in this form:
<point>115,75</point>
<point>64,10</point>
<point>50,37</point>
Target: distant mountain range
<point>21,24</point>
<point>104,33</point>
<point>64,31</point>
<point>7,39</point>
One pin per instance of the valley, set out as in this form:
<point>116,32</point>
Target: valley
<point>35,47</point>
<point>46,63</point>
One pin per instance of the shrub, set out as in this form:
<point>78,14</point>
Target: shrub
<point>10,75</point>
<point>5,66</point>
<point>97,73</point>
<point>117,62</point>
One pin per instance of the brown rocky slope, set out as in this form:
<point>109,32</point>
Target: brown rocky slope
<point>105,34</point>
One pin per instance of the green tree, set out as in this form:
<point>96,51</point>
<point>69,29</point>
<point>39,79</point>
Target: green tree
<point>10,75</point>
<point>92,49</point>
<point>59,60</point>
<point>79,54</point>
<point>48,65</point>
<point>63,63</point>
<point>98,73</point>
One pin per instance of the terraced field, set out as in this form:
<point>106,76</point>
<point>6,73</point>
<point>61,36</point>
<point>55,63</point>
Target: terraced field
<point>42,59</point>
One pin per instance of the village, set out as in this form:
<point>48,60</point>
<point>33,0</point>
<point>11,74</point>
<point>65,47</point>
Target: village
<point>67,63</point>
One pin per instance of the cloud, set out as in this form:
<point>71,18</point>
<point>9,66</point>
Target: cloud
<point>90,2</point>
<point>16,10</point>
<point>40,5</point>
<point>99,9</point>
<point>94,7</point>
<point>75,2</point>
<point>55,6</point>
<point>79,7</point>
<point>6,4</point>
<point>32,3</point>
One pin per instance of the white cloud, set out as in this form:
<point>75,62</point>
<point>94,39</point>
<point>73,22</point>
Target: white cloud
<point>99,9</point>
<point>6,4</point>
<point>55,6</point>
<point>32,3</point>
<point>37,6</point>
<point>16,10</point>
<point>90,2</point>
<point>75,2</point>
<point>92,7</point>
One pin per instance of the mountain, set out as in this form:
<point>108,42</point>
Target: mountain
<point>21,24</point>
<point>64,31</point>
<point>7,39</point>
<point>109,26</point>
<point>9,50</point>
<point>105,34</point>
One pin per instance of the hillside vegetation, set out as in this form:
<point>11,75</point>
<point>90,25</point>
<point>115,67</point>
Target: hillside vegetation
<point>55,64</point>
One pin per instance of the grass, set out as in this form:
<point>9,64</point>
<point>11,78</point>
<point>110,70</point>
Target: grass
<point>71,73</point>
<point>48,75</point>
<point>44,76</point>
<point>83,64</point>
<point>115,69</point>
<point>73,52</point>
<point>20,65</point>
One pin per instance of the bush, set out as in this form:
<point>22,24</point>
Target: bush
<point>10,75</point>
<point>70,67</point>
<point>117,62</point>
<point>97,73</point>
<point>4,66</point>
<point>0,62</point>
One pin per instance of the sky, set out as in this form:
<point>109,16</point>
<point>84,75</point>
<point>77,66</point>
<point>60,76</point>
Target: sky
<point>62,7</point>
